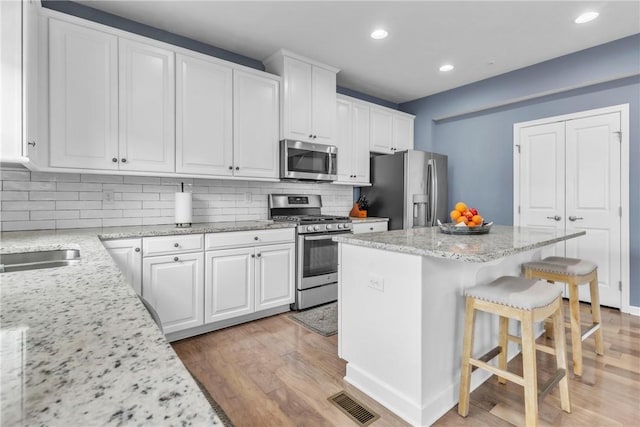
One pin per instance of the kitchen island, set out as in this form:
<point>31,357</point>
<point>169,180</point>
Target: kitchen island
<point>401,309</point>
<point>79,348</point>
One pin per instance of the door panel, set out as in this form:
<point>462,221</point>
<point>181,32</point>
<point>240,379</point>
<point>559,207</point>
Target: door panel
<point>204,101</point>
<point>229,284</point>
<point>297,92</point>
<point>593,198</point>
<point>323,105</point>
<point>274,276</point>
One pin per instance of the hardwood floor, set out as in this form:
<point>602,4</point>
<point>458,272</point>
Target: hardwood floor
<point>275,372</point>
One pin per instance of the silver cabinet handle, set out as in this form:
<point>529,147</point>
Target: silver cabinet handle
<point>230,168</point>
<point>555,217</point>
<point>176,259</point>
<point>175,245</point>
<point>123,160</point>
<point>259,255</point>
<point>256,238</point>
<point>137,249</point>
<point>575,218</point>
<point>253,255</point>
<point>31,143</point>
<point>114,160</point>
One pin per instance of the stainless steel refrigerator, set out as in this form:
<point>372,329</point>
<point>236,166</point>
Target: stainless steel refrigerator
<point>409,188</point>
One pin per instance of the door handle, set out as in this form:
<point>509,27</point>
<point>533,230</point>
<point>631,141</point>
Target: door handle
<point>575,218</point>
<point>556,217</point>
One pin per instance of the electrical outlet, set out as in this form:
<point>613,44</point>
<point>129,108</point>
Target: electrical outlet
<point>107,196</point>
<point>376,282</point>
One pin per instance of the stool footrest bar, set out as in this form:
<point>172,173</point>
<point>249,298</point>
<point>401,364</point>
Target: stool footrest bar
<point>488,356</point>
<point>587,333</point>
<point>546,388</point>
<point>499,372</point>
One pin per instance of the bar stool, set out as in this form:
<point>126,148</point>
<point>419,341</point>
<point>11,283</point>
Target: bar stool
<point>574,272</point>
<point>528,301</point>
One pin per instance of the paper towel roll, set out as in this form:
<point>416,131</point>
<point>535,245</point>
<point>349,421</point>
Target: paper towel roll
<point>183,210</point>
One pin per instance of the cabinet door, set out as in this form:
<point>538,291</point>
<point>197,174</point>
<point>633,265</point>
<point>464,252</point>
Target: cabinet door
<point>204,108</point>
<point>297,100</point>
<point>147,137</point>
<point>360,142</point>
<point>381,131</point>
<point>275,280</point>
<point>343,140</point>
<point>323,105</point>
<point>173,285</point>
<point>127,255</point>
<point>255,125</point>
<point>229,284</point>
<point>402,133</point>
<point>83,82</point>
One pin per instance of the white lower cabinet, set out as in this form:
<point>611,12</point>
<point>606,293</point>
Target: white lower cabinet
<point>229,284</point>
<point>247,280</point>
<point>127,254</point>
<point>173,285</point>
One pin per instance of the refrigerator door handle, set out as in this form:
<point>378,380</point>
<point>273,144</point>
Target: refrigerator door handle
<point>433,192</point>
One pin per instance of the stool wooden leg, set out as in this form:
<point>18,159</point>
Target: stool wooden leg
<point>561,357</point>
<point>576,334</point>
<point>467,348</point>
<point>504,345</point>
<point>529,370</point>
<point>595,312</point>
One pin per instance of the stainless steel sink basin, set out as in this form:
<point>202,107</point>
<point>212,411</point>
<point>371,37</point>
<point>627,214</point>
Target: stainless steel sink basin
<point>36,260</point>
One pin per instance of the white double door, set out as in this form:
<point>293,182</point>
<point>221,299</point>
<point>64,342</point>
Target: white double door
<point>568,176</point>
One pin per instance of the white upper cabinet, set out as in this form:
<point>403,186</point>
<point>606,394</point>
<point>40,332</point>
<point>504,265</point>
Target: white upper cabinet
<point>255,125</point>
<point>83,87</point>
<point>352,140</point>
<point>391,130</point>
<point>147,136</point>
<point>204,122</point>
<point>308,97</point>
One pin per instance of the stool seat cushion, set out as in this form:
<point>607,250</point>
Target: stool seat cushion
<point>560,265</point>
<point>517,292</point>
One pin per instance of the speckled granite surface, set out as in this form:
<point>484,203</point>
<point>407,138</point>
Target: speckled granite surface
<point>78,347</point>
<point>502,241</point>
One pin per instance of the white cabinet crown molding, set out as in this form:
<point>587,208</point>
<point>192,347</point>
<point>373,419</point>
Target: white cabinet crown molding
<point>284,52</point>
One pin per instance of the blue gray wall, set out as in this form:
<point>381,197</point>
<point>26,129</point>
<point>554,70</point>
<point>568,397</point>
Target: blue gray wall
<point>473,125</point>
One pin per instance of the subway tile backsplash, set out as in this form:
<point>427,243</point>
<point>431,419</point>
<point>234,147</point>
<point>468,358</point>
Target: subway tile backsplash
<point>43,200</point>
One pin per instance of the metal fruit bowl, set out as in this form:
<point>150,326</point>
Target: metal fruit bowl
<point>450,228</point>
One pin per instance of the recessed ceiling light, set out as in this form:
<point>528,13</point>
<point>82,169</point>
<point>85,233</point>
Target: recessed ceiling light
<point>586,17</point>
<point>446,67</point>
<point>379,34</point>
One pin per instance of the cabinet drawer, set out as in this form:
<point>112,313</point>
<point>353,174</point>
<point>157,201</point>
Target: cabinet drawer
<point>369,227</point>
<point>172,244</point>
<point>249,238</point>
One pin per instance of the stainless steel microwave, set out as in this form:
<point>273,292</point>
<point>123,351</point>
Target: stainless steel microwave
<point>308,161</point>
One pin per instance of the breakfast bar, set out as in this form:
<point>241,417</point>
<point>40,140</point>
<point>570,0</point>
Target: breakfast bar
<point>401,309</point>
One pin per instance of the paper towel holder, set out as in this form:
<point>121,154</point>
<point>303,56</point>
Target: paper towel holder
<point>182,216</point>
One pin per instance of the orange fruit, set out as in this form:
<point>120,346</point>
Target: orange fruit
<point>454,215</point>
<point>462,219</point>
<point>477,219</point>
<point>461,207</point>
<point>471,224</point>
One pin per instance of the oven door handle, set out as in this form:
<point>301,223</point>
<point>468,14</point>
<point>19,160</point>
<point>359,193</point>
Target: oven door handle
<point>323,236</point>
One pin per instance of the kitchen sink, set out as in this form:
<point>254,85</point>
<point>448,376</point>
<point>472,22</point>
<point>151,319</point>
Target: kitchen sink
<point>36,260</point>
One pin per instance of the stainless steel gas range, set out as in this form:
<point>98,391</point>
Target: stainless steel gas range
<point>317,254</point>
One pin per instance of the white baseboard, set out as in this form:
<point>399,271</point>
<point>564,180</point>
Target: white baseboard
<point>634,310</point>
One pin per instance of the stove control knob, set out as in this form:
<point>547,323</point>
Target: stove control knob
<point>340,226</point>
<point>316,227</point>
<point>310,228</point>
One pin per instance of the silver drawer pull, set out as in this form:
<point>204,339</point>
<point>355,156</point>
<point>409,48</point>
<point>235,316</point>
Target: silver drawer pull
<point>555,217</point>
<point>137,249</point>
<point>176,245</point>
<point>176,259</point>
<point>575,218</point>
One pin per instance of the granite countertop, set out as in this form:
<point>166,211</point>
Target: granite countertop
<point>79,348</point>
<point>501,241</point>
<point>368,219</point>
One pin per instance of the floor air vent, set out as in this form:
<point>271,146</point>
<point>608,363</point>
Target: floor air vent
<point>358,413</point>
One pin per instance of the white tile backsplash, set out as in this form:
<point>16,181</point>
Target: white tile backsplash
<point>43,200</point>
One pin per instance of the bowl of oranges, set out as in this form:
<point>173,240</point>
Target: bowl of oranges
<point>465,220</point>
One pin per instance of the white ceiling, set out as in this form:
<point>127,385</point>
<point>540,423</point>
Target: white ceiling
<point>481,38</point>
